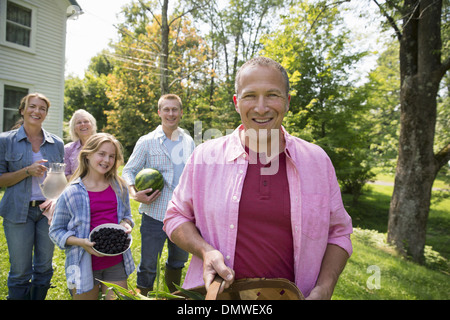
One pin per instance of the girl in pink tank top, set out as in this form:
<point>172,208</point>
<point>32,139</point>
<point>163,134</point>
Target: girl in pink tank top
<point>106,195</point>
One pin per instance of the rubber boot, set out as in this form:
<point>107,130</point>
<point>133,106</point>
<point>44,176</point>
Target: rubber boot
<point>172,276</point>
<point>144,291</point>
<point>19,293</point>
<point>25,297</point>
<point>38,292</point>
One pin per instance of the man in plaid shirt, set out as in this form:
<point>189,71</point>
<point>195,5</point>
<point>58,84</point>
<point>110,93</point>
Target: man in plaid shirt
<point>165,149</point>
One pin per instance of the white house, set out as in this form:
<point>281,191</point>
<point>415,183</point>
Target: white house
<point>32,56</point>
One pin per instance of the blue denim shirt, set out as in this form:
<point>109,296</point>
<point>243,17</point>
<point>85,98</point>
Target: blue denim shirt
<point>15,154</point>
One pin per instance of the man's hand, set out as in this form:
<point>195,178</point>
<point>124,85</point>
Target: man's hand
<point>213,264</point>
<point>141,196</point>
<point>319,293</point>
<point>187,237</point>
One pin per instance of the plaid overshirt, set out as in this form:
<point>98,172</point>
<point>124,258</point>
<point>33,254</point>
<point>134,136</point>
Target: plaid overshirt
<point>150,152</point>
<point>72,217</point>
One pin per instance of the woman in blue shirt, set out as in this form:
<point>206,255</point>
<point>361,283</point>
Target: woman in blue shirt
<point>23,155</point>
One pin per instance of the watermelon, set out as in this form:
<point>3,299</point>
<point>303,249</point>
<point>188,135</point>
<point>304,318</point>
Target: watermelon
<point>149,178</point>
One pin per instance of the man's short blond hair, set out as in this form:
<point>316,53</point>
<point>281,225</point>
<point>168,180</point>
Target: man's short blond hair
<point>169,96</point>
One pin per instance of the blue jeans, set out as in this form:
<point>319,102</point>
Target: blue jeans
<point>30,254</point>
<point>153,238</point>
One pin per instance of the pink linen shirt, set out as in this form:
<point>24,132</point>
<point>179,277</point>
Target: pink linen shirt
<point>209,192</point>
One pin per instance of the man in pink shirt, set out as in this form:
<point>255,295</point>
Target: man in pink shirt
<point>260,203</point>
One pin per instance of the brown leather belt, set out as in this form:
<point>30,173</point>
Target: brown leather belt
<point>36,203</point>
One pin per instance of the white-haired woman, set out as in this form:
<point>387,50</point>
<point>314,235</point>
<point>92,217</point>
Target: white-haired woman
<point>82,126</point>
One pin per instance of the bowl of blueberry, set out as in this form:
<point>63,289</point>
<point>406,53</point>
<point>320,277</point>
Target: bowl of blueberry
<point>110,239</point>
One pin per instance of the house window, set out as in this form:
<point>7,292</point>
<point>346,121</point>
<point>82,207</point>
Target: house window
<point>18,24</point>
<point>11,102</point>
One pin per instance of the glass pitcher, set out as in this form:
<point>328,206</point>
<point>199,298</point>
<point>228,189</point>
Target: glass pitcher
<point>55,182</point>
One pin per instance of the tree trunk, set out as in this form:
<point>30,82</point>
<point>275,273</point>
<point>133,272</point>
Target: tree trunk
<point>421,72</point>
<point>416,170</point>
<point>164,55</point>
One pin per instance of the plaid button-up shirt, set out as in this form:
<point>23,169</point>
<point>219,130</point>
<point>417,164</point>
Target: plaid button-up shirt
<point>150,152</point>
<point>72,217</point>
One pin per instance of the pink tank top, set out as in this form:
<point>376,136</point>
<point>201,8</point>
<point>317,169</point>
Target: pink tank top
<point>103,210</point>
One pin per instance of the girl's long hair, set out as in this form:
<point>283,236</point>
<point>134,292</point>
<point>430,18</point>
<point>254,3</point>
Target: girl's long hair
<point>91,146</point>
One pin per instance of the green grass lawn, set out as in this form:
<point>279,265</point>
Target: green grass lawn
<point>398,278</point>
<point>374,272</point>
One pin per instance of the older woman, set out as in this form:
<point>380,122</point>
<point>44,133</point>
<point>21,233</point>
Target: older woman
<point>23,154</point>
<point>82,125</point>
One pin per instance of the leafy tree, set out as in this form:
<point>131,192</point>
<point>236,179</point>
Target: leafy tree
<point>326,108</point>
<point>234,36</point>
<point>89,93</point>
<point>135,82</point>
<point>167,24</point>
<point>74,92</point>
<point>384,102</point>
